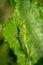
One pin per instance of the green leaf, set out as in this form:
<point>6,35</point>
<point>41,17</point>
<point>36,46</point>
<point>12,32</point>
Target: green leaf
<point>24,32</point>
<point>11,35</point>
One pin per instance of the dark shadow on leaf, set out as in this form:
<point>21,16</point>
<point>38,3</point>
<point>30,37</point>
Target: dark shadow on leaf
<point>40,62</point>
<point>11,54</point>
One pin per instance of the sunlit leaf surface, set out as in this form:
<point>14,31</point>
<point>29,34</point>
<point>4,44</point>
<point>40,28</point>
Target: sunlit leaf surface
<point>24,32</point>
